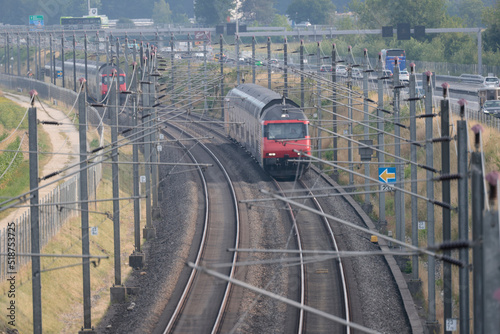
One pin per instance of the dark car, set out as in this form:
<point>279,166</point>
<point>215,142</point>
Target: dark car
<point>491,107</point>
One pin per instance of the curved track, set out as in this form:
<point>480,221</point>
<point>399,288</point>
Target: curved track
<point>201,305</point>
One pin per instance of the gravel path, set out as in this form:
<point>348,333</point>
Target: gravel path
<point>64,139</point>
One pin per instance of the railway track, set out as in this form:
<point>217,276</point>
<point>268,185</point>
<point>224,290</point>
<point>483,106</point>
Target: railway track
<point>220,231</point>
<point>322,285</point>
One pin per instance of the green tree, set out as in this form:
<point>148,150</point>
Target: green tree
<point>280,21</point>
<point>314,11</point>
<point>161,12</point>
<point>213,11</point>
<point>491,36</point>
<point>261,11</point>
<point>378,13</point>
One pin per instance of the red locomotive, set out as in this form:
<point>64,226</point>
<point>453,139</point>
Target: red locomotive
<point>272,128</point>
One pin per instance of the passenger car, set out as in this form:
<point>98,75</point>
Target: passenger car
<point>303,24</point>
<point>326,68</point>
<point>491,107</point>
<point>404,76</point>
<point>491,82</point>
<point>357,74</point>
<point>341,70</point>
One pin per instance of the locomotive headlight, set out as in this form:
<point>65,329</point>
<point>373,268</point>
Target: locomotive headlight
<point>271,154</point>
<point>298,153</point>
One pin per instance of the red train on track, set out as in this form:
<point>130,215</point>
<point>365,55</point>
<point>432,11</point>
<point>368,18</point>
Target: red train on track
<point>99,76</point>
<point>271,127</point>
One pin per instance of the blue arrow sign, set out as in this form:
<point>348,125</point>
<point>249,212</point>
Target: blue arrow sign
<point>387,174</point>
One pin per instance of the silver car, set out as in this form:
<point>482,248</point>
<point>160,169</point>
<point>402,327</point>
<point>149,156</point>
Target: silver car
<point>491,82</point>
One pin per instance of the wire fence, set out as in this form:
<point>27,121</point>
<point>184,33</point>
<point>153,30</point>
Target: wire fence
<point>52,216</point>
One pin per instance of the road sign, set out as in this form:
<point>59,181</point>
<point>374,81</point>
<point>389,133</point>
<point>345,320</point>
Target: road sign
<point>143,179</point>
<point>36,22</point>
<point>421,225</point>
<point>387,174</point>
<point>59,74</point>
<point>93,12</point>
<point>94,230</point>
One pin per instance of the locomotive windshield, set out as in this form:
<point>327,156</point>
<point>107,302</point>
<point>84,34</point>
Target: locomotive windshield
<point>285,130</point>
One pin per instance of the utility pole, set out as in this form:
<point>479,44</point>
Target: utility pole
<point>432,323</point>
<point>137,258</point>
<point>399,201</point>
<point>118,291</point>
<point>84,206</point>
<point>237,44</point>
<point>367,205</point>
<point>221,60</point>
<point>318,101</point>
<point>34,217</point>
<point>301,50</point>
<point>463,219</point>
<point>74,62</point>
<point>285,67</point>
<point>62,61</point>
<point>445,170</point>
<point>415,280</point>
<point>149,231</point>
<point>477,188</point>
<point>381,127</point>
<point>253,59</point>
<point>349,112</point>
<point>269,63</point>
<point>491,258</point>
<point>334,109</point>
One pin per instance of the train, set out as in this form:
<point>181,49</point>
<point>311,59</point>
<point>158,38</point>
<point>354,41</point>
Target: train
<point>98,77</point>
<point>271,127</point>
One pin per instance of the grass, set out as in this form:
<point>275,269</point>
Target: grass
<point>62,302</point>
<point>15,181</point>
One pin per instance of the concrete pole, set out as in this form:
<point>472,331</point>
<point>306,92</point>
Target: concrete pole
<point>19,55</point>
<point>318,101</point>
<point>446,196</point>
<point>28,53</point>
<point>136,259</point>
<point>302,74</point>
<point>34,218</point>
<point>268,63</point>
<point>221,60</point>
<point>84,206</point>
<point>52,63</point>
<point>149,231</point>
<point>398,195</point>
<point>285,67</point>
<point>491,257</point>
<point>74,62</point>
<point>381,127</point>
<point>237,45</point>
<point>413,171</point>
<point>113,110</point>
<point>334,109</point>
<point>432,323</point>
<point>253,59</point>
<point>35,58</point>
<point>479,53</point>
<point>477,188</point>
<point>62,61</point>
<point>463,221</point>
<point>367,205</point>
<point>349,113</point>
<point>189,72</point>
